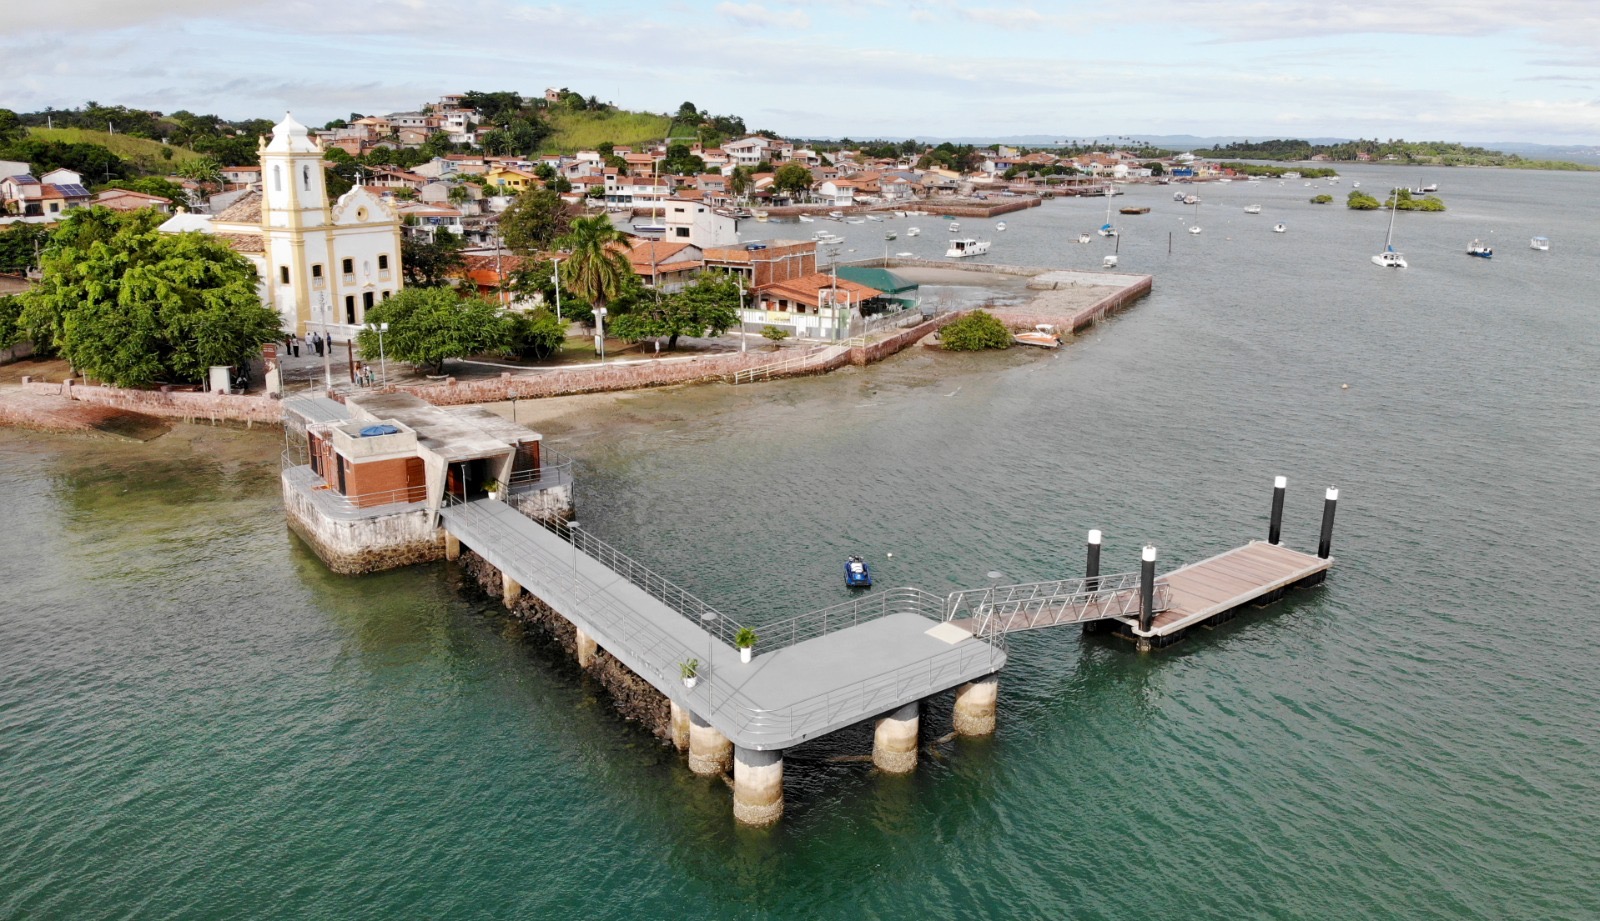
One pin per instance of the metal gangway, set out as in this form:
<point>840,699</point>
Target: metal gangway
<point>990,613</point>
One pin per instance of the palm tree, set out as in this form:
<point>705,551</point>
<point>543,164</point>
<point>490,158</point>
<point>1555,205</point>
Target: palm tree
<point>596,270</point>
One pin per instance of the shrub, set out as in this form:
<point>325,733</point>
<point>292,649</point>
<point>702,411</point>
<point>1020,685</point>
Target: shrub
<point>976,331</point>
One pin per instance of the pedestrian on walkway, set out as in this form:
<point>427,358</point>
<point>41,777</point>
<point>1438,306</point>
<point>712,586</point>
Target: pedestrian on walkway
<point>294,345</point>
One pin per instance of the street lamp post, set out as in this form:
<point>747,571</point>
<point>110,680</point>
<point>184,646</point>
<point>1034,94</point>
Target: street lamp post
<point>600,332</point>
<point>555,279</point>
<point>383,362</point>
<point>327,344</point>
<point>744,337</point>
<point>709,618</point>
<point>572,535</point>
<point>513,397</point>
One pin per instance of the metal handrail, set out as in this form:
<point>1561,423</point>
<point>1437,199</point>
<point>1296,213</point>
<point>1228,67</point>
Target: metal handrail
<point>822,621</point>
<point>1003,608</point>
<point>552,465</point>
<point>790,364</point>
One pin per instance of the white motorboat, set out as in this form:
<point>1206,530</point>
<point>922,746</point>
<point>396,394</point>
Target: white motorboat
<point>1252,209</point>
<point>855,220</point>
<point>1042,335</point>
<point>955,227</point>
<point>1110,261</point>
<point>1390,259</point>
<point>1279,228</point>
<point>1000,226</point>
<point>1540,243</point>
<point>807,219</point>
<point>1480,249</point>
<point>1177,196</point>
<point>961,247</point>
<point>1106,230</point>
<point>1083,238</point>
<point>913,231</point>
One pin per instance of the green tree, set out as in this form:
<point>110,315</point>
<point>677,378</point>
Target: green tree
<point>975,331</point>
<point>680,161</point>
<point>1358,200</point>
<point>153,185</point>
<point>136,306</point>
<point>596,270</point>
<point>792,178</point>
<point>204,170</point>
<point>428,263</point>
<point>11,331</point>
<point>20,245</point>
<point>739,181</point>
<point>11,128</point>
<point>429,326</point>
<point>774,335</point>
<point>534,220</point>
<point>537,334</point>
<point>708,307</point>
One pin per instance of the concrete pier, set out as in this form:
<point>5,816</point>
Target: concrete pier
<point>894,740</point>
<point>710,752</point>
<point>510,590</point>
<point>757,786</point>
<point>678,723</point>
<point>975,706</point>
<point>452,547</point>
<point>586,647</point>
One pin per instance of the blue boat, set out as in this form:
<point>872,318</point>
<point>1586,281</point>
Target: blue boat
<point>856,573</point>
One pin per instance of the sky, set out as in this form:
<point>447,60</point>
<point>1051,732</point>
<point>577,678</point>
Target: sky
<point>1451,70</point>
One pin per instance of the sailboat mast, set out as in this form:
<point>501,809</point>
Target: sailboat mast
<point>1394,203</point>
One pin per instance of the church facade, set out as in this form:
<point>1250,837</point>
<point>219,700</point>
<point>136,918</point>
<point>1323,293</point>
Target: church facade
<point>322,265</point>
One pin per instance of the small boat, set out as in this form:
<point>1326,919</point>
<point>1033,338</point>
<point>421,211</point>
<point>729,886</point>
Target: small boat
<point>890,235</point>
<point>905,255</point>
<point>1540,243</point>
<point>855,220</point>
<point>874,217</point>
<point>913,231</point>
<point>1279,228</point>
<point>1252,209</point>
<point>962,247</point>
<point>1356,184</point>
<point>1043,335</point>
<point>1133,210</point>
<point>1106,230</point>
<point>1110,261</point>
<point>954,227</point>
<point>856,573</point>
<point>1191,199</point>
<point>836,215</point>
<point>1177,196</point>
<point>1480,249</point>
<point>761,216</point>
<point>1423,190</point>
<point>1000,226</point>
<point>807,219</point>
<point>1083,238</point>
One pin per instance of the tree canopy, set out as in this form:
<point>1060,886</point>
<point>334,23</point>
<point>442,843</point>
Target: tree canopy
<point>429,326</point>
<point>428,263</point>
<point>792,178</point>
<point>131,306</point>
<point>594,271</point>
<point>1358,200</point>
<point>976,331</point>
<point>709,306</point>
<point>533,221</point>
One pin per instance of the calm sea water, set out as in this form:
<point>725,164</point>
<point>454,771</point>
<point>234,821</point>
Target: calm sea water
<point>198,721</point>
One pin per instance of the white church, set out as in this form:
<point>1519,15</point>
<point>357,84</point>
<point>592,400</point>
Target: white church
<point>321,266</point>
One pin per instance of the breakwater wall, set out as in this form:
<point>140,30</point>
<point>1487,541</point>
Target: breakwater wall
<point>189,406</point>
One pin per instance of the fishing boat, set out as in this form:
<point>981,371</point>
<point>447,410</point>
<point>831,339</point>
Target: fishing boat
<point>1042,335</point>
<point>1106,230</point>
<point>1252,209</point>
<point>1110,261</point>
<point>1279,228</point>
<point>1177,196</point>
<point>890,235</point>
<point>1191,199</point>
<point>955,226</point>
<point>1083,238</point>
<point>913,231</point>
<point>807,219</point>
<point>1480,249</point>
<point>962,247</point>
<point>1390,259</point>
<point>1540,243</point>
<point>1000,226</point>
<point>856,573</point>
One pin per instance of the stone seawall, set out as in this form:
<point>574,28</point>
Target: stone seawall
<point>190,406</point>
<point>362,545</point>
<point>634,698</point>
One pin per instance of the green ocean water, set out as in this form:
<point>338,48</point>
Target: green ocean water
<point>198,721</point>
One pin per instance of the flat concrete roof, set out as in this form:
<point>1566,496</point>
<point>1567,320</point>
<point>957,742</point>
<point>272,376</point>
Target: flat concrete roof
<point>452,436</point>
<point>496,425</point>
<point>316,409</point>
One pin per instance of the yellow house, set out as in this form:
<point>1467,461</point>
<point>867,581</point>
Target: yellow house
<point>511,181</point>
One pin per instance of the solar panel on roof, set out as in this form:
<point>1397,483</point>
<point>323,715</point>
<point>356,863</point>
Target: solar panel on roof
<point>73,190</point>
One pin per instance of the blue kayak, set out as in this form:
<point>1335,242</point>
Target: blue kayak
<point>856,573</point>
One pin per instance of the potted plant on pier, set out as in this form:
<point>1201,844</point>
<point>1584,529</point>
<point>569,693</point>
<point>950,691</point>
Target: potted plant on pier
<point>690,671</point>
<point>744,639</point>
<point>494,491</point>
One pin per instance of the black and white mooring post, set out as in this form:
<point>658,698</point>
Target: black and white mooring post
<point>1091,568</point>
<point>1280,485</point>
<point>1147,588</point>
<point>1325,545</point>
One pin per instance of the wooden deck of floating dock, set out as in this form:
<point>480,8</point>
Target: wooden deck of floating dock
<point>1213,589</point>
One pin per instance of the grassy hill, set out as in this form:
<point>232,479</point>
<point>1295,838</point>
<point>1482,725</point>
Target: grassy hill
<point>145,154</point>
<point>584,130</point>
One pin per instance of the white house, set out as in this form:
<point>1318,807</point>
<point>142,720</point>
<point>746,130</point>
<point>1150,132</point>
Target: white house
<point>698,224</point>
<point>752,150</point>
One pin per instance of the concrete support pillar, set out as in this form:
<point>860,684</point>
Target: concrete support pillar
<point>710,752</point>
<point>510,590</point>
<point>757,786</point>
<point>586,647</point>
<point>894,740</point>
<point>680,727</point>
<point>452,547</point>
<point>975,703</point>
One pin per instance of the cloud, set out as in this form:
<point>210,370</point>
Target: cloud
<point>756,16</point>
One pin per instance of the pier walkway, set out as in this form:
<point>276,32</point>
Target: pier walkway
<point>815,673</point>
<point>1257,573</point>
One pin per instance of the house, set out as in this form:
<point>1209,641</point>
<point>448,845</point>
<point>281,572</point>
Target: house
<point>319,263</point>
<point>241,175</point>
<point>766,262</point>
<point>698,223</point>
<point>837,192</point>
<point>664,265</point>
<point>749,151</point>
<point>128,200</point>
<point>814,306</point>
<point>62,177</point>
<point>390,178</point>
<point>510,180</point>
<point>367,477</point>
<point>25,196</point>
<point>436,168</point>
<point>424,220</point>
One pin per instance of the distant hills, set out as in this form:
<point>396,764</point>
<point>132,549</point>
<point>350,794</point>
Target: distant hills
<point>1576,153</point>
